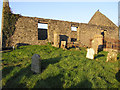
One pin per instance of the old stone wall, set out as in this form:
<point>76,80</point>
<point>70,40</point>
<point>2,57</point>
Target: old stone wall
<point>112,33</point>
<point>73,34</point>
<point>60,27</point>
<point>86,33</point>
<point>27,31</point>
<point>100,19</point>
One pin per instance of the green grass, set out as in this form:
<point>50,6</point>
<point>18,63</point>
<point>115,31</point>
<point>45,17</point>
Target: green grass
<point>60,69</point>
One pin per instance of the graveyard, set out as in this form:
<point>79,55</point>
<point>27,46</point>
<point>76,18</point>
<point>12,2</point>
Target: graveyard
<point>58,56</point>
<point>59,68</point>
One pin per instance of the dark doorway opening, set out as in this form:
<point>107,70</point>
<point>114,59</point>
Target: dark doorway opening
<point>103,34</point>
<point>63,38</point>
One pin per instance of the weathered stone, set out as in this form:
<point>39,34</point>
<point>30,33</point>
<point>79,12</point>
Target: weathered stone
<point>36,63</point>
<point>63,44</point>
<point>27,31</point>
<point>95,46</point>
<point>74,34</point>
<point>56,44</point>
<point>100,19</point>
<point>99,39</point>
<point>77,48</point>
<point>96,42</point>
<point>112,56</point>
<point>90,53</point>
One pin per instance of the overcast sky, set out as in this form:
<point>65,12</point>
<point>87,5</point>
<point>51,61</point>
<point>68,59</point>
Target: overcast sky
<point>68,11</point>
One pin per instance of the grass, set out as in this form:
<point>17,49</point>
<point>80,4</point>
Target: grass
<point>60,69</point>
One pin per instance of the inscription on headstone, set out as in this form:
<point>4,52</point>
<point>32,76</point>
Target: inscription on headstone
<point>90,53</point>
<point>36,63</point>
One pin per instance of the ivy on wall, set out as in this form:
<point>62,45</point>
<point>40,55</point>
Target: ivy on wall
<point>9,22</point>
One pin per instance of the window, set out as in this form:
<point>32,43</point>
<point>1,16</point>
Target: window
<point>73,39</point>
<point>73,28</point>
<point>42,31</point>
<point>42,25</point>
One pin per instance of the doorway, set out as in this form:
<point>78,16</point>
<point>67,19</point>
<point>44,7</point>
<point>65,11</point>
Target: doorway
<point>63,38</point>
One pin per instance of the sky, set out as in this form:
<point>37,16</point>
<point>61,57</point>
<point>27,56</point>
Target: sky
<point>119,13</point>
<point>68,11</point>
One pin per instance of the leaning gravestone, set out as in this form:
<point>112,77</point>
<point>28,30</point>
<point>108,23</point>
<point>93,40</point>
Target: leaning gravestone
<point>112,56</point>
<point>36,63</point>
<point>90,53</point>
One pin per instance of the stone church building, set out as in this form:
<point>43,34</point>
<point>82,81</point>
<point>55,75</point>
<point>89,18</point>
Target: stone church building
<point>27,31</point>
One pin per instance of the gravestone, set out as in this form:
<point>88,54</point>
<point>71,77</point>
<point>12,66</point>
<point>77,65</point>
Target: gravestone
<point>77,48</point>
<point>63,44</point>
<point>55,39</point>
<point>96,42</point>
<point>112,56</point>
<point>95,45</point>
<point>36,63</point>
<point>13,47</point>
<point>56,44</point>
<point>90,53</point>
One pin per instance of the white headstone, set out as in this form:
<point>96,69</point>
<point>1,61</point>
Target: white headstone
<point>36,63</point>
<point>90,53</point>
<point>13,47</point>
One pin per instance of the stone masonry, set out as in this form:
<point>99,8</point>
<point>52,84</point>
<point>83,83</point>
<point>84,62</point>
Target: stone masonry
<point>96,42</point>
<point>26,31</point>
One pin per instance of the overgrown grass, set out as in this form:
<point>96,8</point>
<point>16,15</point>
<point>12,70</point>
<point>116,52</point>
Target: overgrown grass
<point>60,69</point>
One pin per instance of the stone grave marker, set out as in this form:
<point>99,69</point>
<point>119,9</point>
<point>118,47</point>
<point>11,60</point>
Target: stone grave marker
<point>56,40</point>
<point>90,53</point>
<point>112,56</point>
<point>77,48</point>
<point>36,63</point>
<point>95,46</point>
<point>96,42</point>
<point>13,47</point>
<point>63,44</point>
